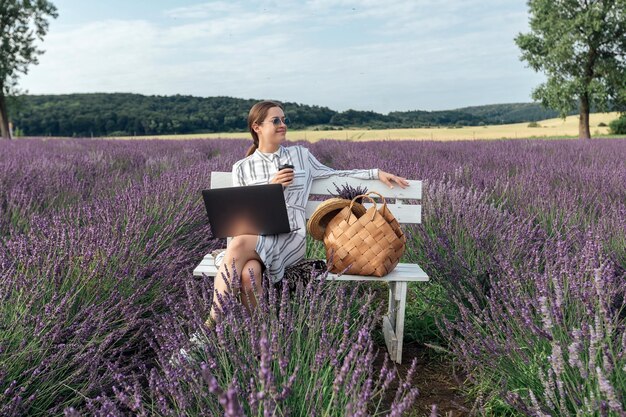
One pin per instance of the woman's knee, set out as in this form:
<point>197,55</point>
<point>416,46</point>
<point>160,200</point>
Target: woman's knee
<point>240,244</point>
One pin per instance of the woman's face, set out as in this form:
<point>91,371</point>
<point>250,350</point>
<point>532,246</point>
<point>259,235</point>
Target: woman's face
<point>272,130</point>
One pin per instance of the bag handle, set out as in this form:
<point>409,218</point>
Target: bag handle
<point>354,201</point>
<point>382,198</point>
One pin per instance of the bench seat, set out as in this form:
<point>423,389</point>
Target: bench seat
<point>402,272</point>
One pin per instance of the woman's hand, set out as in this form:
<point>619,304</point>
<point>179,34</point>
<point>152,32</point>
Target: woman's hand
<point>388,179</point>
<point>284,177</point>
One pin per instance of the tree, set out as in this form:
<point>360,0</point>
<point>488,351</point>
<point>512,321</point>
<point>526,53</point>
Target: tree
<point>581,46</point>
<point>22,22</point>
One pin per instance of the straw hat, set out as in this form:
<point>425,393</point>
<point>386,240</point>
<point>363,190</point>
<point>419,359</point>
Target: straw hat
<point>326,211</point>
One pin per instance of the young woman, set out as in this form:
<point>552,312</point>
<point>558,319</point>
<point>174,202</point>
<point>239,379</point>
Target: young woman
<point>253,255</point>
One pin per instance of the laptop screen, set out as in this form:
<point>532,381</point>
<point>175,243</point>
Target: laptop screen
<point>247,210</point>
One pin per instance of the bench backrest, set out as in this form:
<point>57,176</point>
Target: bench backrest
<point>405,208</point>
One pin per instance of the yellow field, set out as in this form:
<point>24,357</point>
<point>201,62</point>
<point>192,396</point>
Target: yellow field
<point>547,128</point>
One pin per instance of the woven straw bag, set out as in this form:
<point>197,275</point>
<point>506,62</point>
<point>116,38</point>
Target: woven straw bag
<point>369,244</point>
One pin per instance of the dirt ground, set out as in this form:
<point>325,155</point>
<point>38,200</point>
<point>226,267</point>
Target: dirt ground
<point>438,382</point>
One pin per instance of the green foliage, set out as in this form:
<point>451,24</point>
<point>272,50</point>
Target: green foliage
<point>580,47</point>
<point>426,305</point>
<point>534,124</point>
<point>135,115</point>
<point>123,114</point>
<point>22,24</point>
<point>511,113</point>
<point>618,126</point>
<point>314,248</point>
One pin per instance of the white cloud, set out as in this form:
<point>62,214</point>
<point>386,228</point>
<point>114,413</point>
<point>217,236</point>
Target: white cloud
<point>339,53</point>
<point>97,56</point>
<point>204,10</point>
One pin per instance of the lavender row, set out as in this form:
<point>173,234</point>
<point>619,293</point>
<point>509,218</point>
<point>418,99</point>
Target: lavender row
<point>309,353</point>
<point>82,285</point>
<point>496,217</point>
<point>93,290</point>
<point>528,240</point>
<point>43,176</point>
<point>560,184</point>
<point>541,322</point>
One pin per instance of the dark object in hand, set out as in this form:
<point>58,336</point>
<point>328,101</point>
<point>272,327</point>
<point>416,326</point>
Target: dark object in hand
<point>283,166</point>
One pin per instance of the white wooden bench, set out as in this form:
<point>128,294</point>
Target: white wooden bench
<point>398,279</point>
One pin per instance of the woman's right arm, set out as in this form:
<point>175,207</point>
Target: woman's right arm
<point>284,177</point>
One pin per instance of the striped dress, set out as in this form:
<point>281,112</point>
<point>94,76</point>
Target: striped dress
<point>280,251</point>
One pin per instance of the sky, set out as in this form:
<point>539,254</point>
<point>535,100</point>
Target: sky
<point>382,55</point>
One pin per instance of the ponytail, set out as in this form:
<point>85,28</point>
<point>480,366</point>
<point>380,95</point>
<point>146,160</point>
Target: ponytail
<point>253,147</point>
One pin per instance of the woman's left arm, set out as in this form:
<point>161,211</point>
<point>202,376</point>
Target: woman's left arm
<point>320,170</point>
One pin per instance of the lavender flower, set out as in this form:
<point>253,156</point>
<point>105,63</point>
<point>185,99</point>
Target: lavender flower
<point>525,238</point>
<point>349,192</point>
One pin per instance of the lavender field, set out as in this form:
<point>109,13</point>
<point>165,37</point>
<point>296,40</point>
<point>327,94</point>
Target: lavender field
<point>524,241</point>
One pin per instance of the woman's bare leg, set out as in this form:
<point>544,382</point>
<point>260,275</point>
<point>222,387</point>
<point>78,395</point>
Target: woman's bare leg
<point>241,249</point>
<point>253,267</point>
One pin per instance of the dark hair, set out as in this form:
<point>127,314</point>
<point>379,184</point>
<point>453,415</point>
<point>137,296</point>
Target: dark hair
<point>258,112</point>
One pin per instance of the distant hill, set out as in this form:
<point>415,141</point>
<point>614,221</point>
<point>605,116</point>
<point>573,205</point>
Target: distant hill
<point>121,114</point>
<point>511,113</point>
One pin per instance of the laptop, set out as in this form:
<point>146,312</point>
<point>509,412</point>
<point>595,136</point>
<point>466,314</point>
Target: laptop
<point>247,210</point>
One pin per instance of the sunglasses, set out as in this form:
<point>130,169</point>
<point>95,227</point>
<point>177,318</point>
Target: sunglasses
<point>276,121</point>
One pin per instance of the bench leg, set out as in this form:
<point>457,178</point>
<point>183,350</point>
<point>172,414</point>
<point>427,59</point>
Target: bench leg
<point>401,289</point>
<point>393,322</point>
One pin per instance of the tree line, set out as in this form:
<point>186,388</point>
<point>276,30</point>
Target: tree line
<point>125,114</point>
